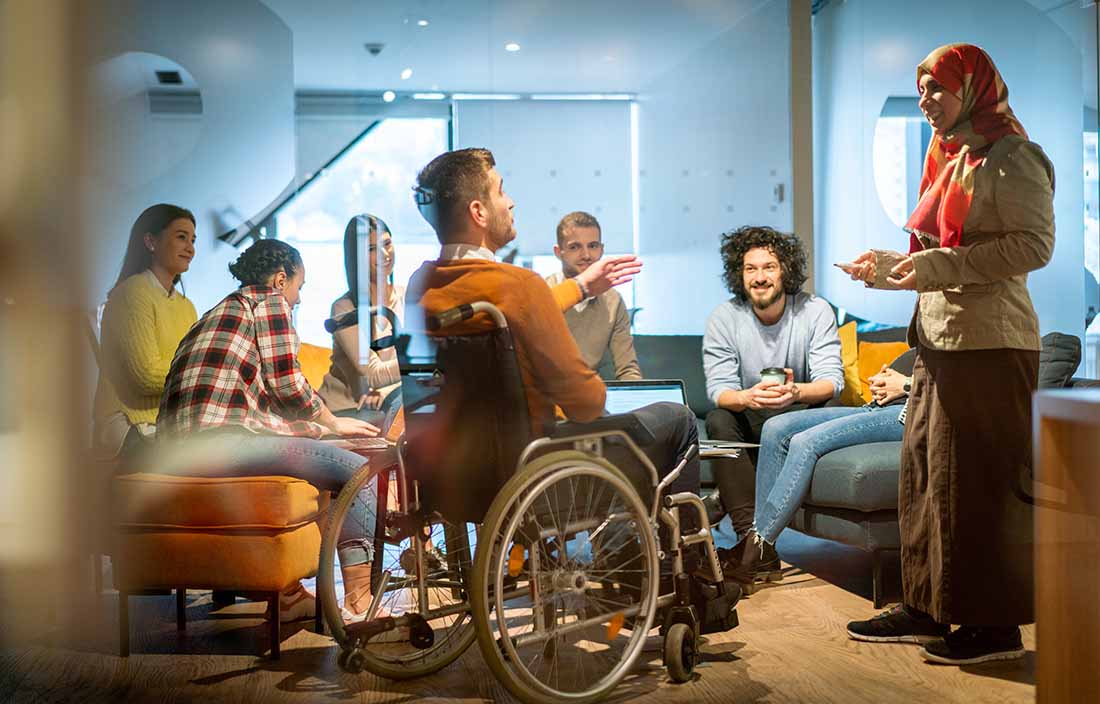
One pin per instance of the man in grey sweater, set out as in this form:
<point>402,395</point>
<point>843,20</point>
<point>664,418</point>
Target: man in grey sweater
<point>769,323</point>
<point>601,324</point>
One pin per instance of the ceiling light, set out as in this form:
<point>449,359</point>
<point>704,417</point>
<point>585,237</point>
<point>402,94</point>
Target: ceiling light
<point>486,96</point>
<point>406,74</point>
<point>429,96</point>
<point>422,23</point>
<point>389,96</point>
<point>511,46</point>
<point>581,96</point>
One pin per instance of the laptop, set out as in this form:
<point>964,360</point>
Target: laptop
<point>627,396</point>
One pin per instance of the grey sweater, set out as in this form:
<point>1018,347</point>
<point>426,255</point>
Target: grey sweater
<point>736,345</point>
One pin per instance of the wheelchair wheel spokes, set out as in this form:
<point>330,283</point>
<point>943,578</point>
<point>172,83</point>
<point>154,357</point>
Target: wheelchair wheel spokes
<point>435,600</point>
<point>576,543</point>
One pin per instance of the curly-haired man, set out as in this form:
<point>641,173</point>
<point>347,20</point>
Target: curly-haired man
<point>769,323</point>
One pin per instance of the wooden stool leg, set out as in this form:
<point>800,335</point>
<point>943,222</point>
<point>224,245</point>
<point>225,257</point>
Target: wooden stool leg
<point>274,611</point>
<point>123,623</point>
<point>181,609</point>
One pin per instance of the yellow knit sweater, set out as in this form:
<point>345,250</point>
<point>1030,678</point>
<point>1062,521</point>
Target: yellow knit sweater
<point>142,327</point>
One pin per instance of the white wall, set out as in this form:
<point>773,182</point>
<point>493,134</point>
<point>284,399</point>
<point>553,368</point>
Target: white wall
<point>556,157</point>
<point>240,56</point>
<point>714,138</point>
<point>866,51</point>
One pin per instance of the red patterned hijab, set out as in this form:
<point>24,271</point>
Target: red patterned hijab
<point>948,181</point>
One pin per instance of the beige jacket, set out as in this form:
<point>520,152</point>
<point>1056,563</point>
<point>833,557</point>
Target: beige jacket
<point>601,326</point>
<point>974,296</point>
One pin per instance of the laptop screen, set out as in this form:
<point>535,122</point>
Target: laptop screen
<point>626,396</point>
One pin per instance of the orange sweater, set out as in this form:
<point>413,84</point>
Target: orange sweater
<point>553,371</point>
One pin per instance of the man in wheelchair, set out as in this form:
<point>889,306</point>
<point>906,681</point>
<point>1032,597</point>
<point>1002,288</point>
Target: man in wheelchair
<point>461,195</point>
<point>472,216</point>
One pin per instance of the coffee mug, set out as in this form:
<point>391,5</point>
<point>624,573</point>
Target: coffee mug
<point>775,374</point>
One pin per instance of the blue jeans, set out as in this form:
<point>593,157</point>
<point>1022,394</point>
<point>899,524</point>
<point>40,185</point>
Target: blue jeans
<point>244,454</point>
<point>792,443</point>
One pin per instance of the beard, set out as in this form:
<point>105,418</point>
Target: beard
<point>572,271</point>
<point>762,302</point>
<point>502,229</point>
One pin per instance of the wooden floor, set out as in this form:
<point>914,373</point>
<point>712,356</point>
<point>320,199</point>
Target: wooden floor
<point>790,647</point>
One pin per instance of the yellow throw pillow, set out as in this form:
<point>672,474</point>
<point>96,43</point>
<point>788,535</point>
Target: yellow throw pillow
<point>872,355</point>
<point>849,356</point>
<point>315,362</point>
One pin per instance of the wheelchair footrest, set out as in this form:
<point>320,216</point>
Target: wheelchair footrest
<point>718,606</point>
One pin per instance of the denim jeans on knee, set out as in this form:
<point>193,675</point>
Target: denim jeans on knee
<point>791,445</point>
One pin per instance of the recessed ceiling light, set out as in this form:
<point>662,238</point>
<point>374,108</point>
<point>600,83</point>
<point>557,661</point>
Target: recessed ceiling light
<point>406,74</point>
<point>511,46</point>
<point>422,23</point>
<point>389,96</point>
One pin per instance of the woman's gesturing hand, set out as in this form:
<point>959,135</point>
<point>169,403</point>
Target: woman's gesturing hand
<point>904,275</point>
<point>862,268</point>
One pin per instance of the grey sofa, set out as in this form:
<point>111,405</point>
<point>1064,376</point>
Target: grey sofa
<point>853,497</point>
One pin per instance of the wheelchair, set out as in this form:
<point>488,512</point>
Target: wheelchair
<point>539,548</point>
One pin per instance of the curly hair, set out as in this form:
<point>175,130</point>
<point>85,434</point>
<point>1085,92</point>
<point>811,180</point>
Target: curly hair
<point>264,258</point>
<point>787,249</point>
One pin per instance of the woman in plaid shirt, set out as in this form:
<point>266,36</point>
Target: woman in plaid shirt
<point>236,403</point>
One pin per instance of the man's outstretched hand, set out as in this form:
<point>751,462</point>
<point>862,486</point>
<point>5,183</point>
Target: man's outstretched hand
<point>609,272</point>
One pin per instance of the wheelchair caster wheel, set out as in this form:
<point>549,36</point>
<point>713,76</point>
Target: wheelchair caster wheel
<point>680,653</point>
<point>421,634</point>
<point>350,661</point>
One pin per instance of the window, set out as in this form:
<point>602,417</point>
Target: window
<point>375,176</point>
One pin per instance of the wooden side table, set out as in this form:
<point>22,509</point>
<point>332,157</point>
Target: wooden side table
<point>1067,549</point>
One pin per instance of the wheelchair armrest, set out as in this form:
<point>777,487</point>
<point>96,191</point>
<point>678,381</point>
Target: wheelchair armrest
<point>625,422</point>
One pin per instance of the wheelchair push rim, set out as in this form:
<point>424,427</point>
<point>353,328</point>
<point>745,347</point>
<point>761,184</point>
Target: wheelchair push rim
<point>392,653</point>
<point>590,568</point>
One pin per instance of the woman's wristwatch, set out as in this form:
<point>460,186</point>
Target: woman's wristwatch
<point>908,385</point>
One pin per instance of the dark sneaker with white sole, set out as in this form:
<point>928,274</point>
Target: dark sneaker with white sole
<point>970,645</point>
<point>898,625</point>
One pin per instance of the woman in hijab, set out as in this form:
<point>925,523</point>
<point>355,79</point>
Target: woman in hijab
<point>984,220</point>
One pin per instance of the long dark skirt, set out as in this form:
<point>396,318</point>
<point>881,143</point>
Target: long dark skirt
<point>966,535</point>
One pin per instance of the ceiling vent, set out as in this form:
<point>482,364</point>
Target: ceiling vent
<point>169,78</point>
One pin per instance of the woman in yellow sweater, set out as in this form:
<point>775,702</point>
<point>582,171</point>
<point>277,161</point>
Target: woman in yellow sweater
<point>143,322</point>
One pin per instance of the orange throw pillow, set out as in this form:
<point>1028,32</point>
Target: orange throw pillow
<point>872,355</point>
<point>315,362</point>
<point>849,356</point>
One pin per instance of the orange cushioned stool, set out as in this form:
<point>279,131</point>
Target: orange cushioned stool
<point>241,534</point>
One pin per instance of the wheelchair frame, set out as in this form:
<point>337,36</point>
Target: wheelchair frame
<point>681,622</point>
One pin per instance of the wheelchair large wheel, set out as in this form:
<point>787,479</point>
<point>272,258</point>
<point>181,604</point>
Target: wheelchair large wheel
<point>564,587</point>
<point>426,639</point>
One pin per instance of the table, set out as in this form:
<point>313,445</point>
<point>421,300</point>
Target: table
<point>1067,550</point>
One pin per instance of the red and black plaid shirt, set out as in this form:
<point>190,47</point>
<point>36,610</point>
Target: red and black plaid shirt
<point>238,366</point>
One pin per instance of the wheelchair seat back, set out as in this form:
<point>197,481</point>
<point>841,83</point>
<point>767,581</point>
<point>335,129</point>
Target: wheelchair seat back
<point>466,421</point>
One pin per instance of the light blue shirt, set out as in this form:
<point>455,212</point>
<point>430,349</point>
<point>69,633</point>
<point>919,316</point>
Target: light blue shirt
<point>737,346</point>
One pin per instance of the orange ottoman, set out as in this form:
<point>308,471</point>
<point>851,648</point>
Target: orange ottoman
<point>252,534</point>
